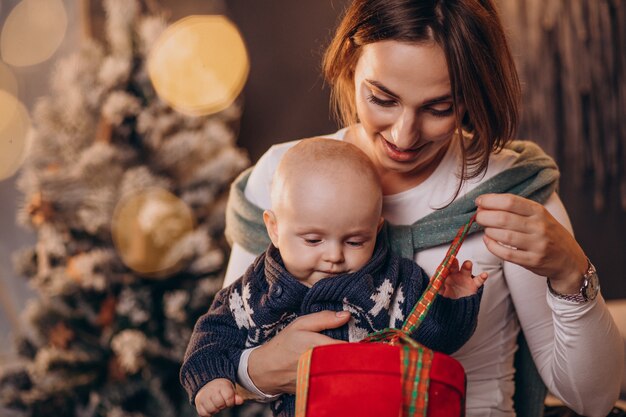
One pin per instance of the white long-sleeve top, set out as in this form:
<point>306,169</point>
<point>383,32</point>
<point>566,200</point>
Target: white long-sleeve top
<point>577,347</point>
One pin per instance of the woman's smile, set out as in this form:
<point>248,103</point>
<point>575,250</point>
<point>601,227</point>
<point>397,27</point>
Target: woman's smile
<point>401,155</point>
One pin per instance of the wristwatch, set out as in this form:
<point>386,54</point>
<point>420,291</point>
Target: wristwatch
<point>588,291</point>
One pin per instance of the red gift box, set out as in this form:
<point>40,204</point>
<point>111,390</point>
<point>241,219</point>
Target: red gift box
<point>365,379</point>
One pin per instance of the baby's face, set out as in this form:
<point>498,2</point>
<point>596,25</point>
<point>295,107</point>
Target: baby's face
<point>327,227</point>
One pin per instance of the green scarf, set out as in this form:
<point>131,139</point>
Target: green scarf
<point>534,175</point>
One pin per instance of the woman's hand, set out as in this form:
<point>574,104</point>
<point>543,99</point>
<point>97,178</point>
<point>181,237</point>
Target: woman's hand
<point>273,366</point>
<point>523,232</point>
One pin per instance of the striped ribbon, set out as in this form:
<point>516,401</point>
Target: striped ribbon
<point>302,383</point>
<point>417,315</point>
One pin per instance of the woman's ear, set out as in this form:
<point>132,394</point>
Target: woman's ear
<point>269,218</point>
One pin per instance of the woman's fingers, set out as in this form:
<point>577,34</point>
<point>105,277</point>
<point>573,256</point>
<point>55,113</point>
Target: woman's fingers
<point>511,239</point>
<point>316,322</point>
<point>524,232</point>
<point>514,222</point>
<point>510,203</point>
<point>272,367</point>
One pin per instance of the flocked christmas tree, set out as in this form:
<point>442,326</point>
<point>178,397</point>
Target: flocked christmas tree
<point>127,198</point>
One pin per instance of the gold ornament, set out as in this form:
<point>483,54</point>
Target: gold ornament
<point>147,228</point>
<point>33,31</point>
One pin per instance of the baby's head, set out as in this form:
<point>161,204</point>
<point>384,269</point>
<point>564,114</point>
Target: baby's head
<point>326,209</point>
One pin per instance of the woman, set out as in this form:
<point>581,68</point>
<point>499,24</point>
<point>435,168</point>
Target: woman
<point>428,90</point>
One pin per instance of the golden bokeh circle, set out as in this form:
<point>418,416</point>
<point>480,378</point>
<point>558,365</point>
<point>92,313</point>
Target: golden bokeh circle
<point>33,31</point>
<point>146,228</point>
<point>199,64</point>
<point>14,137</point>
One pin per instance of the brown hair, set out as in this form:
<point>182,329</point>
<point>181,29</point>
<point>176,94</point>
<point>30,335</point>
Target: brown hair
<point>481,68</point>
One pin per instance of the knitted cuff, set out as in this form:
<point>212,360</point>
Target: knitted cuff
<point>452,322</point>
<point>201,369</point>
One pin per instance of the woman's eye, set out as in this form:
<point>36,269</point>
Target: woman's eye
<point>441,112</point>
<point>380,102</point>
<point>355,244</point>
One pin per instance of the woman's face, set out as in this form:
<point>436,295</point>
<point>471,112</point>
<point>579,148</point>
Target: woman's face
<point>405,107</point>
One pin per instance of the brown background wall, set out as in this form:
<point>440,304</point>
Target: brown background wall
<point>285,97</point>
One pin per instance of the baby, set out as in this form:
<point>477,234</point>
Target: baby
<point>326,254</point>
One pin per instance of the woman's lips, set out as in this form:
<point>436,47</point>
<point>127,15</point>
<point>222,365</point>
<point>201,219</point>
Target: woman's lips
<point>397,154</point>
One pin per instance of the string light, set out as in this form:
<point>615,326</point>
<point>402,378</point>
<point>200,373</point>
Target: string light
<point>14,138</point>
<point>199,65</point>
<point>32,32</point>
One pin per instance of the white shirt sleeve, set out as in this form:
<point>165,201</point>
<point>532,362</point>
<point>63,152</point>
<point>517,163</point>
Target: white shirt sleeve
<point>576,346</point>
<point>245,381</point>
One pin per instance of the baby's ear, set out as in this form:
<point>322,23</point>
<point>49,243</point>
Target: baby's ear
<point>381,221</point>
<point>269,218</point>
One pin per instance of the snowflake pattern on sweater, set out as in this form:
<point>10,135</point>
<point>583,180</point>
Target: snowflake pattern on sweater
<point>267,298</point>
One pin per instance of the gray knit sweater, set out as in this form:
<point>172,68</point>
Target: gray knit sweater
<point>267,298</point>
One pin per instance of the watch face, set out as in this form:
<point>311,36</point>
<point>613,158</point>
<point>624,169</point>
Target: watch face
<point>591,286</point>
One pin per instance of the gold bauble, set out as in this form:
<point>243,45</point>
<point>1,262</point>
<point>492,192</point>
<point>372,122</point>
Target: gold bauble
<point>199,64</point>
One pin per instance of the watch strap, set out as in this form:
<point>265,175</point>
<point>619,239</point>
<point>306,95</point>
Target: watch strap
<point>581,296</point>
<point>578,297</point>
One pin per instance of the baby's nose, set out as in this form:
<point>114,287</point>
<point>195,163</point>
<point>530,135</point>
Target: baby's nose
<point>334,253</point>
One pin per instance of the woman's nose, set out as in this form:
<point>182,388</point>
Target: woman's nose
<point>405,132</point>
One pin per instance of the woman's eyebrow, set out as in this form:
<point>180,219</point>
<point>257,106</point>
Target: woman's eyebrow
<point>382,88</point>
<point>439,99</point>
<point>387,91</point>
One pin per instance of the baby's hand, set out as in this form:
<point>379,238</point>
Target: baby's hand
<point>460,282</point>
<point>216,396</point>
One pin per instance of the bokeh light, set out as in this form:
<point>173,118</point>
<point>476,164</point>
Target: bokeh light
<point>8,81</point>
<point>14,138</point>
<point>147,227</point>
<point>199,64</point>
<point>33,31</point>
